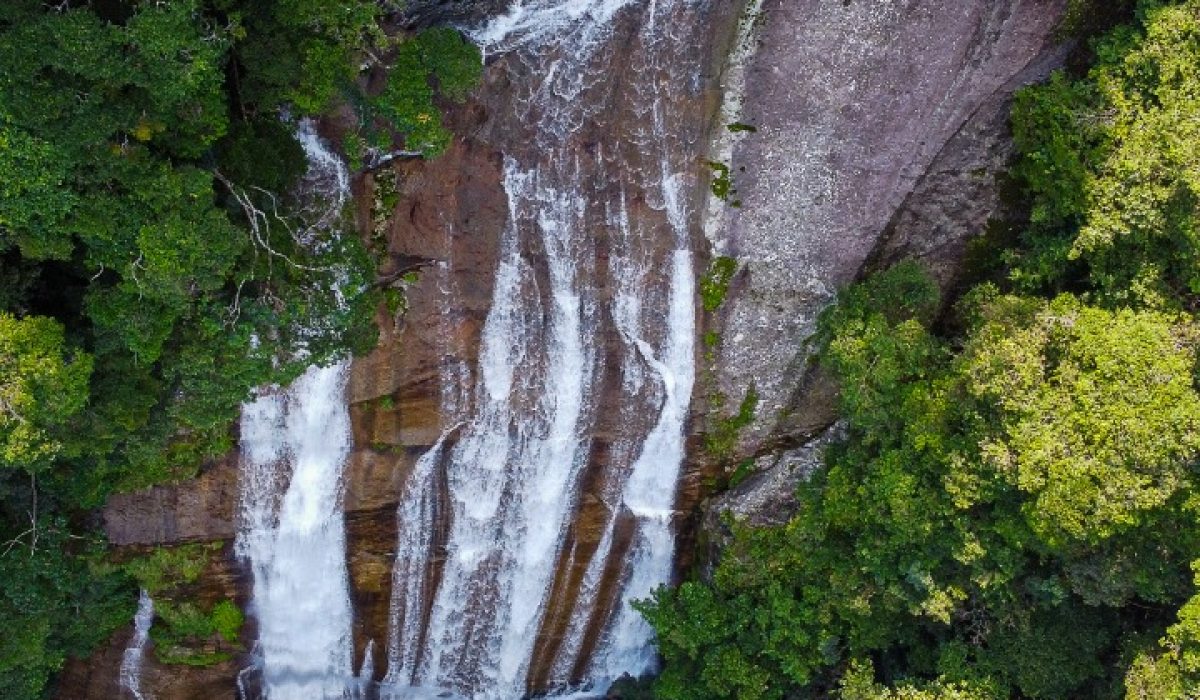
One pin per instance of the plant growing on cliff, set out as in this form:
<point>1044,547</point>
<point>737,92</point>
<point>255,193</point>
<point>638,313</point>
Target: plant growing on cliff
<point>185,631</point>
<point>714,285</point>
<point>186,634</point>
<point>721,440</point>
<point>406,102</point>
<point>166,568</point>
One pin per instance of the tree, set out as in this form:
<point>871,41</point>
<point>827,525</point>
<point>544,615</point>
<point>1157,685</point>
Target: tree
<point>43,385</point>
<point>1110,163</point>
<point>984,522</point>
<point>154,264</point>
<point>858,683</point>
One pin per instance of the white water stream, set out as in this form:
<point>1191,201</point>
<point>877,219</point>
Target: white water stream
<point>512,472</point>
<point>295,540</point>
<point>130,677</point>
<point>505,479</point>
<point>295,443</point>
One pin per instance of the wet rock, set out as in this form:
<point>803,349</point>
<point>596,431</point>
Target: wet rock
<point>371,545</point>
<point>417,381</point>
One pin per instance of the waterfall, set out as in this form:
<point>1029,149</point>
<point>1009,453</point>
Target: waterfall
<point>295,443</point>
<point>131,660</point>
<point>295,540</point>
<point>649,492</point>
<point>502,490</point>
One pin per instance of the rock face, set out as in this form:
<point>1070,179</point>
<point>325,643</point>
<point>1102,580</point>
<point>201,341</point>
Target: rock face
<point>881,127</point>
<point>767,497</point>
<point>197,511</point>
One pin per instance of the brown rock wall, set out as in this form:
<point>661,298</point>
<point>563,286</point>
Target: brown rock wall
<point>197,510</point>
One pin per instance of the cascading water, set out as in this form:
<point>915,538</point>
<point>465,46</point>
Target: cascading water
<point>295,540</point>
<point>295,444</point>
<point>502,491</point>
<point>130,677</point>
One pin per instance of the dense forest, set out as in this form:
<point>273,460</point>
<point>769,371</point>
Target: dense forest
<point>1013,511</point>
<point>154,266</point>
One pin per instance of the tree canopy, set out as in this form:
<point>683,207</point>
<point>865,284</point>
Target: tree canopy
<point>157,261</point>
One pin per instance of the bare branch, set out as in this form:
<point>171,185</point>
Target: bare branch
<point>260,223</point>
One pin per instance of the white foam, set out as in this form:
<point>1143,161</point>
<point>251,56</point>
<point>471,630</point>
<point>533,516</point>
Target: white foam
<point>131,660</point>
<point>296,543</point>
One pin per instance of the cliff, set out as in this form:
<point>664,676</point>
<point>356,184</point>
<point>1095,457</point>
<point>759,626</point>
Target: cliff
<point>879,130</point>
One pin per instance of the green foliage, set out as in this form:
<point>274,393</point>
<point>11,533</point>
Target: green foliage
<point>1101,419</point>
<point>627,688</point>
<point>43,386</point>
<point>1085,18</point>
<point>407,101</point>
<point>55,602</point>
<point>453,62</point>
<point>297,52</point>
<point>721,439</point>
<point>227,620</point>
<point>185,634</point>
<point>858,683</point>
<point>722,182</point>
<point>33,201</point>
<point>167,567</point>
<point>981,522</point>
<point>185,631</point>
<point>154,265</point>
<point>1109,163</point>
<point>160,283</point>
<point>714,285</point>
<point>892,296</point>
<point>1172,670</point>
<point>261,154</point>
